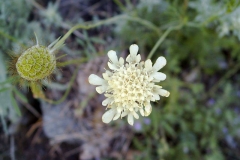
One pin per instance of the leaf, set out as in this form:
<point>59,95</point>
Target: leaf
<point>4,124</point>
<point>20,95</point>
<point>168,128</point>
<point>15,105</point>
<point>98,40</point>
<point>4,89</point>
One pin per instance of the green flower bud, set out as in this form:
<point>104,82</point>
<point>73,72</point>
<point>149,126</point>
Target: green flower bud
<point>36,63</point>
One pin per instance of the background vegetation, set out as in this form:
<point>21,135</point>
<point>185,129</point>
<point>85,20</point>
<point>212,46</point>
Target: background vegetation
<point>200,40</point>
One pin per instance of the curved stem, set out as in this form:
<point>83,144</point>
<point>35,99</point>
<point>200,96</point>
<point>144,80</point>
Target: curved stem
<point>88,25</point>
<point>219,83</point>
<point>145,23</point>
<point>162,38</point>
<point>74,61</point>
<point>67,91</point>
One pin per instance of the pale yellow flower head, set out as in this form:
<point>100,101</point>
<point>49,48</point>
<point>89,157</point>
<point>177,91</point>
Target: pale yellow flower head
<point>130,87</point>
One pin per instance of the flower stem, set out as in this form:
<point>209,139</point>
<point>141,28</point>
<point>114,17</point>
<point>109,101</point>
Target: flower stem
<point>145,23</point>
<point>89,25</point>
<point>74,61</point>
<point>162,38</point>
<point>68,89</point>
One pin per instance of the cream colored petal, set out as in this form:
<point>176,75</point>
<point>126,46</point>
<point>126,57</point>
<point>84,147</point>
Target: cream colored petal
<point>152,98</point>
<point>119,109</point>
<point>124,114</point>
<point>128,59</point>
<point>130,109</point>
<point>112,66</point>
<point>138,58</point>
<point>148,65</point>
<point>121,61</point>
<point>147,113</point>
<point>135,115</point>
<point>160,63</point>
<point>105,76</point>
<point>142,112</point>
<point>101,89</point>
<point>148,108</point>
<point>109,73</point>
<point>117,116</point>
<point>107,101</point>
<point>164,93</point>
<point>130,119</point>
<point>156,87</point>
<point>156,97</point>
<point>113,57</point>
<point>133,50</point>
<point>108,116</point>
<point>96,80</point>
<point>159,76</point>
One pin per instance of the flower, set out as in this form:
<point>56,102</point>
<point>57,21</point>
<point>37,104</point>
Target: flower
<point>129,87</point>
<point>37,62</point>
<point>34,65</point>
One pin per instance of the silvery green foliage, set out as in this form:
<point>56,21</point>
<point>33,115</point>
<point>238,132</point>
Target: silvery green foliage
<point>207,9</point>
<point>6,105</point>
<point>13,17</point>
<point>195,45</point>
<point>162,4</point>
<point>51,15</point>
<point>15,30</point>
<point>226,21</point>
<point>230,22</point>
<point>16,25</point>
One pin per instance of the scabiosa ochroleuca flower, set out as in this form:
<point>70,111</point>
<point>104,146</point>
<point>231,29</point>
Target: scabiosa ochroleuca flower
<point>35,64</point>
<point>130,87</point>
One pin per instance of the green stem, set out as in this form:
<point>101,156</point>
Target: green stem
<point>162,38</point>
<point>145,23</point>
<point>74,61</point>
<point>120,5</point>
<point>4,34</point>
<point>88,25</point>
<point>219,83</point>
<point>68,89</point>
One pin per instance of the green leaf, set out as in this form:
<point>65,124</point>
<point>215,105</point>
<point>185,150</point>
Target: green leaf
<point>15,105</point>
<point>20,95</point>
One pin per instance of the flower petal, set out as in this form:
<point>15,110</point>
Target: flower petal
<point>108,116</point>
<point>121,61</point>
<point>101,89</point>
<point>119,109</point>
<point>124,114</point>
<point>113,56</point>
<point>161,62</point>
<point>138,58</point>
<point>116,116</point>
<point>156,97</point>
<point>112,66</point>
<point>148,65</point>
<point>135,115</point>
<point>133,50</point>
<point>95,80</point>
<point>130,119</point>
<point>159,76</point>
<point>148,108</point>
<point>142,112</point>
<point>106,76</point>
<point>107,101</point>
<point>163,92</point>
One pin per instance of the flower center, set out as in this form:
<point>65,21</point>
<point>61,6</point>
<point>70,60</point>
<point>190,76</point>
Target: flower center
<point>130,84</point>
<point>36,63</point>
